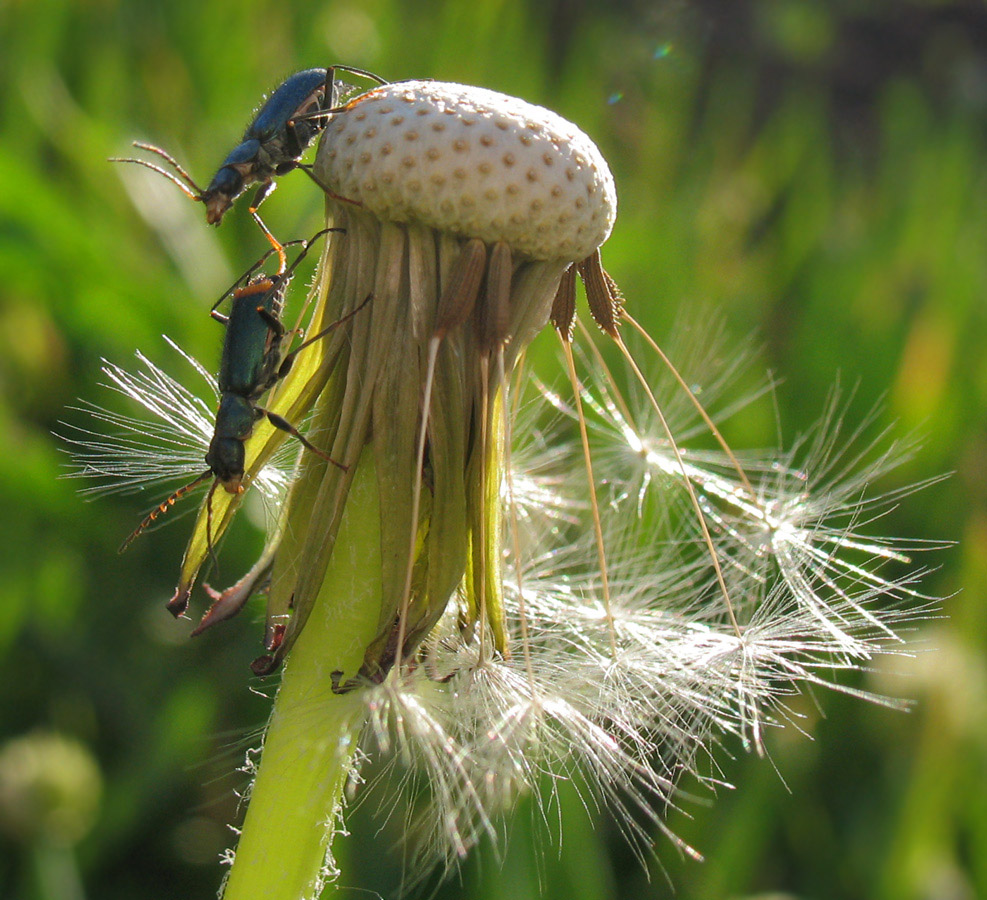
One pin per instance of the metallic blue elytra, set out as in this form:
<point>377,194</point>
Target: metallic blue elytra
<point>285,103</point>
<point>273,143</point>
<point>251,350</point>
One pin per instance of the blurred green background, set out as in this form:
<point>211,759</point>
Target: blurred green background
<point>813,172</point>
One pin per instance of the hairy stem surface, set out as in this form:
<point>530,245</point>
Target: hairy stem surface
<point>313,732</point>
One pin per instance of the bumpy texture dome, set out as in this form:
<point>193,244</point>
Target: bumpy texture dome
<point>472,162</point>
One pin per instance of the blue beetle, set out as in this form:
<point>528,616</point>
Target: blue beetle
<point>273,144</point>
<point>251,364</point>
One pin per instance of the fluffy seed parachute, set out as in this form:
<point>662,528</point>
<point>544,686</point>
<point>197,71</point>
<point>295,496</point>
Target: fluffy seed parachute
<point>510,584</point>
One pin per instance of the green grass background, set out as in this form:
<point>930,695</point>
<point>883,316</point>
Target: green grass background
<point>812,172</point>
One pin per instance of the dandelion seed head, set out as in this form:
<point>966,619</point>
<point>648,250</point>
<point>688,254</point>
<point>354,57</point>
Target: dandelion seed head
<point>525,175</point>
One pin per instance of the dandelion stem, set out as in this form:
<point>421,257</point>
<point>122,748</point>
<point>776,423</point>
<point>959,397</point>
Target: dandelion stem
<point>308,750</point>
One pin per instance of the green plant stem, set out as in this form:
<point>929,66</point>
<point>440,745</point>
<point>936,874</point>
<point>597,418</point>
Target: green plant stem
<point>312,735</point>
<point>56,872</point>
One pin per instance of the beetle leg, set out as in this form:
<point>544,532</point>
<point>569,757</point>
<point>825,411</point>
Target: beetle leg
<point>329,93</point>
<point>259,197</point>
<point>289,358</point>
<point>272,321</point>
<point>307,169</point>
<point>245,277</point>
<point>294,145</point>
<point>263,192</point>
<point>361,72</point>
<point>282,423</point>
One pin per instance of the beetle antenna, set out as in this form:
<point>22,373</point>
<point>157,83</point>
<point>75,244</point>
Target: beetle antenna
<point>168,158</point>
<point>246,275</point>
<point>162,508</point>
<point>183,180</point>
<point>174,179</point>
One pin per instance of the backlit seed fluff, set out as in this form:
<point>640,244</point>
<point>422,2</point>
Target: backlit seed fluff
<point>497,168</point>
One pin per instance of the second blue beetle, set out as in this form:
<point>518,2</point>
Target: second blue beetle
<point>252,363</point>
<point>273,143</point>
